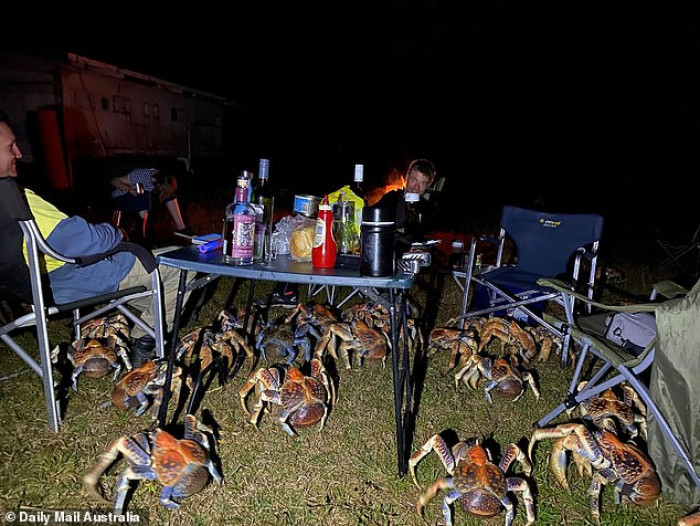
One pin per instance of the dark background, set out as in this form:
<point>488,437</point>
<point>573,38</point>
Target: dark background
<point>587,107</point>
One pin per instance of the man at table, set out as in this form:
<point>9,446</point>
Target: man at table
<point>74,236</point>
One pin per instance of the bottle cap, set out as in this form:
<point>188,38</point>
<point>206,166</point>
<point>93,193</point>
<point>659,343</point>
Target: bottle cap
<point>263,168</point>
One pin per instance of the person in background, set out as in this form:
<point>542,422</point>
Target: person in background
<point>414,219</point>
<point>135,191</point>
<point>74,236</point>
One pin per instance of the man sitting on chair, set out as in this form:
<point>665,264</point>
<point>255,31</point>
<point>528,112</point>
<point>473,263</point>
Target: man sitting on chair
<point>74,236</point>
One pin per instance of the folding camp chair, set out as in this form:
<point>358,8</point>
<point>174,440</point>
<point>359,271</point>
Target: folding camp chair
<point>670,433</point>
<point>684,256</point>
<point>43,308</point>
<point>548,245</point>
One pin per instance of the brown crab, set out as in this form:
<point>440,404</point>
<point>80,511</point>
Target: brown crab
<point>614,462</point>
<point>366,342</point>
<point>546,341</point>
<point>205,345</point>
<point>507,378</point>
<point>478,485</point>
<point>182,466</point>
<point>606,411</point>
<point>510,334</point>
<point>142,388</point>
<point>304,398</point>
<point>96,358</point>
<point>115,325</point>
<point>461,343</point>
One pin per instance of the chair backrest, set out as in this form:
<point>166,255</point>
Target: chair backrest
<point>14,273</point>
<point>547,241</point>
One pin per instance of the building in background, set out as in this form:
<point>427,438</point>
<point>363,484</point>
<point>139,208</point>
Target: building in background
<point>72,114</point>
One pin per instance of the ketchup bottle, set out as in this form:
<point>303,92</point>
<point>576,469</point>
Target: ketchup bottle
<point>325,250</point>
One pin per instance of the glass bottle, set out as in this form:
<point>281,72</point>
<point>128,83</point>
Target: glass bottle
<point>358,186</point>
<point>347,236</point>
<point>239,232</point>
<point>263,196</point>
<point>359,190</point>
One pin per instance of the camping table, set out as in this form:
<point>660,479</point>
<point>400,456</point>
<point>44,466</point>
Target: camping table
<point>285,269</point>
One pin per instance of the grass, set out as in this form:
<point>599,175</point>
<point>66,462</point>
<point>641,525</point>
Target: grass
<point>345,474</point>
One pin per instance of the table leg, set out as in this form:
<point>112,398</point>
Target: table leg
<point>172,350</point>
<point>403,390</point>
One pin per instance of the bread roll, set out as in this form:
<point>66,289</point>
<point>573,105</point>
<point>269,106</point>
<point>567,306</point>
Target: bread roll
<point>301,243</point>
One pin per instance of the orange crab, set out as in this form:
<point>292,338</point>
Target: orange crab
<point>615,462</point>
<point>304,398</point>
<point>607,411</point>
<point>96,357</point>
<point>143,387</point>
<point>182,466</point>
<point>507,378</point>
<point>461,343</point>
<point>510,334</point>
<point>478,485</point>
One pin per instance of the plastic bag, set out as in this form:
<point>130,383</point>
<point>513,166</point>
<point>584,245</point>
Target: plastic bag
<point>294,235</point>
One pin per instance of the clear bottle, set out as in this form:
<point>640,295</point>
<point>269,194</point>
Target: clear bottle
<point>263,196</point>
<point>347,236</point>
<point>325,250</point>
<point>239,232</point>
<point>358,183</point>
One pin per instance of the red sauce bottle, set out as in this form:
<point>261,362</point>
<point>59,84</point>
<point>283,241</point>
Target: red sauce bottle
<point>325,250</point>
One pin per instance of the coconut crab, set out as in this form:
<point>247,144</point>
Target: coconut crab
<point>304,398</point>
<point>603,455</point>
<point>478,485</point>
<point>510,334</point>
<point>95,358</point>
<point>278,338</point>
<point>546,341</point>
<point>142,388</point>
<point>606,411</point>
<point>207,345</point>
<point>366,342</point>
<point>182,466</point>
<point>506,377</point>
<point>313,319</point>
<point>461,343</point>
<point>115,325</point>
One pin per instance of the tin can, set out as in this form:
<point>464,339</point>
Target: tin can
<point>140,190</point>
<point>306,205</point>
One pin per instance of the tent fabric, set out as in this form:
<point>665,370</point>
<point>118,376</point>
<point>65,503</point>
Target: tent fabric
<point>675,388</point>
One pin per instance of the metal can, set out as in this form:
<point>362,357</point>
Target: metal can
<point>306,205</point>
<point>140,190</point>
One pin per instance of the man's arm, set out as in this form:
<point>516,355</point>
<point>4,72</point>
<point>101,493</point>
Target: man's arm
<point>74,236</point>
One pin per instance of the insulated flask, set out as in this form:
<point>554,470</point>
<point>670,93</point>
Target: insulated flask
<point>377,242</point>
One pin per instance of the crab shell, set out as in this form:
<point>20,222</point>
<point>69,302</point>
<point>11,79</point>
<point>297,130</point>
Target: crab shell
<point>478,472</point>
<point>180,463</point>
<point>510,382</point>
<point>96,358</point>
<point>151,374</point>
<point>307,390</point>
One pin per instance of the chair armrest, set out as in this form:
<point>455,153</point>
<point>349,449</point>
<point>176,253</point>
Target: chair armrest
<point>145,256</point>
<point>565,289</point>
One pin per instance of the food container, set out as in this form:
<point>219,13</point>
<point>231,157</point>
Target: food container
<point>306,205</point>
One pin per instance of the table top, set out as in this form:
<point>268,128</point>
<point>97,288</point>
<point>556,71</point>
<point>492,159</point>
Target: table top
<point>283,268</point>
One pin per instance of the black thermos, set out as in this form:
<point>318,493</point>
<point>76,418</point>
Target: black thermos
<point>377,242</point>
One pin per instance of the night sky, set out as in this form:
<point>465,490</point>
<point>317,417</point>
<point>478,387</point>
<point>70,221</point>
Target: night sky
<point>521,101</point>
